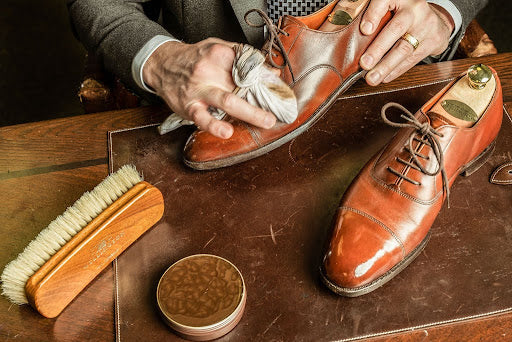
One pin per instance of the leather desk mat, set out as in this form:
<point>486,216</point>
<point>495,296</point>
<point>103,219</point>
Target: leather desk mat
<point>271,216</point>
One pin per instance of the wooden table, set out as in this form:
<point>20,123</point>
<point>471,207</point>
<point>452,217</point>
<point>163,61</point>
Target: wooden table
<point>45,166</point>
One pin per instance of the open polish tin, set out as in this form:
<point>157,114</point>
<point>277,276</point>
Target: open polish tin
<point>201,297</point>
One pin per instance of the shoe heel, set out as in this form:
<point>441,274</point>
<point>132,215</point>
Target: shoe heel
<point>480,160</point>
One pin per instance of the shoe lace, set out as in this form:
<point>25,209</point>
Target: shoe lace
<point>429,137</point>
<point>274,40</point>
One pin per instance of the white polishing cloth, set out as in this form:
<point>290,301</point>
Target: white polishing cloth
<point>255,83</point>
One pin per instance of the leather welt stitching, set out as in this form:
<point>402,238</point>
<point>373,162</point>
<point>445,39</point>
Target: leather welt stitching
<point>392,233</point>
<point>395,90</point>
<point>495,173</point>
<point>401,193</point>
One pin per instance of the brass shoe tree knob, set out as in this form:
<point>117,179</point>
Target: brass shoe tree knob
<point>479,75</point>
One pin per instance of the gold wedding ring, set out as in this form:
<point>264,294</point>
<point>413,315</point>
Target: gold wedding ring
<point>411,40</point>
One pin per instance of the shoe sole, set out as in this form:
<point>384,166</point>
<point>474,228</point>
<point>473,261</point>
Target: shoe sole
<point>467,170</point>
<point>321,110</point>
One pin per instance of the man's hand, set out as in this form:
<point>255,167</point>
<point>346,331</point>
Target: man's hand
<point>192,77</point>
<point>389,56</point>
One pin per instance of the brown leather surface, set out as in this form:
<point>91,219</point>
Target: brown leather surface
<point>322,64</point>
<point>502,175</point>
<point>383,218</point>
<point>271,216</point>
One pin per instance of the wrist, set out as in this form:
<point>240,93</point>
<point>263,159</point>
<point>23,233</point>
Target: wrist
<point>444,15</point>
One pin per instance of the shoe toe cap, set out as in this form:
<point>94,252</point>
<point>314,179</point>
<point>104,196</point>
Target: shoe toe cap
<point>361,250</point>
<point>203,147</point>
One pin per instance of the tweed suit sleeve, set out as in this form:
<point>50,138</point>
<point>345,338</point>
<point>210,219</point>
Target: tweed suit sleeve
<point>115,30</point>
<point>468,10</point>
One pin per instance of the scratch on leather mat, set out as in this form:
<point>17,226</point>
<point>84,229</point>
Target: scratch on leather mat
<point>208,242</point>
<point>271,324</point>
<point>272,235</point>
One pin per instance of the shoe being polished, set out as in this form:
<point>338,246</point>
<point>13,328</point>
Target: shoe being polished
<point>385,216</point>
<point>318,66</point>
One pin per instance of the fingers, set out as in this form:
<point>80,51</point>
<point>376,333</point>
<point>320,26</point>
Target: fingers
<point>389,35</point>
<point>198,112</point>
<point>389,56</point>
<point>199,76</point>
<point>396,56</point>
<point>405,65</point>
<point>373,15</point>
<point>239,108</point>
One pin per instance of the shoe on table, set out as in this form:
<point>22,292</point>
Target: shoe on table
<point>385,216</point>
<point>319,66</point>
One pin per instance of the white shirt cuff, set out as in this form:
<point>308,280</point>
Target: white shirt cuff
<point>453,11</point>
<point>142,56</point>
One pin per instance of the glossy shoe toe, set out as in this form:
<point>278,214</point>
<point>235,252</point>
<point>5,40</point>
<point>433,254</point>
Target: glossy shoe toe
<point>205,151</point>
<point>361,251</point>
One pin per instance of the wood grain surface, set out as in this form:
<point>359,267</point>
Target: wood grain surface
<point>82,258</point>
<point>46,166</point>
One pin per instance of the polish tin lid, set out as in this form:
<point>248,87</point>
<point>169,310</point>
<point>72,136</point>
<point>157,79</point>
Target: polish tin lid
<point>201,297</point>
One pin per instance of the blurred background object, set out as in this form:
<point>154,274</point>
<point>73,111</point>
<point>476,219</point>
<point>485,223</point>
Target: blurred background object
<point>42,64</point>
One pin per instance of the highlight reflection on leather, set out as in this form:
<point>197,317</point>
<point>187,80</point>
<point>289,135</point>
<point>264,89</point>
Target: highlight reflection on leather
<point>383,221</point>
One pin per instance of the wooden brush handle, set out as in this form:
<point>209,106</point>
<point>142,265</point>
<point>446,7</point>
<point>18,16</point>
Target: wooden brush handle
<point>80,260</point>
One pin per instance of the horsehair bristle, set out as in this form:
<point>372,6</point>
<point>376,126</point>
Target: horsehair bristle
<point>62,229</point>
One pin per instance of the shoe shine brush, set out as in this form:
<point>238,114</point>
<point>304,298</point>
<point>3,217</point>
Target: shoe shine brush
<point>75,247</point>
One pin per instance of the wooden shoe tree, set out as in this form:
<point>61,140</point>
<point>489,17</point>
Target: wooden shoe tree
<point>343,14</point>
<point>467,99</point>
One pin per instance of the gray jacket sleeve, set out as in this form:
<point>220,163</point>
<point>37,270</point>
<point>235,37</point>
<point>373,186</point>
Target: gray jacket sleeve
<point>115,30</point>
<point>468,10</point>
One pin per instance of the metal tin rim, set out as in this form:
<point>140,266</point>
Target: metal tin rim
<point>199,331</point>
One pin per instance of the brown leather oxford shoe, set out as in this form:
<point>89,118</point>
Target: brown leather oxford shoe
<point>319,66</point>
<point>385,216</point>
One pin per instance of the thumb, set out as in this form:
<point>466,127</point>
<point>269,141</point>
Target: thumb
<point>373,15</point>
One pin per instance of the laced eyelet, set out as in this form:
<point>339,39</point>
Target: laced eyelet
<point>273,38</point>
<point>431,136</point>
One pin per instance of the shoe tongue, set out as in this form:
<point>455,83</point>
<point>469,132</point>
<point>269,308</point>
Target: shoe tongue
<point>437,120</point>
